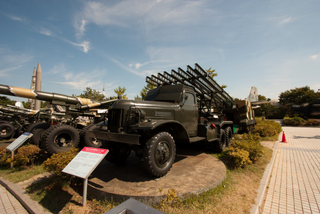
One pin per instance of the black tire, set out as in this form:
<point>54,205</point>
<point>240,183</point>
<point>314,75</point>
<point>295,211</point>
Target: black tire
<point>228,132</point>
<point>6,130</point>
<point>60,138</point>
<point>38,131</point>
<point>118,152</point>
<point>159,154</point>
<point>88,141</point>
<point>221,144</point>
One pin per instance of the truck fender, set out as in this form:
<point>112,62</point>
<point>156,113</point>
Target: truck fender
<point>174,127</point>
<point>226,123</point>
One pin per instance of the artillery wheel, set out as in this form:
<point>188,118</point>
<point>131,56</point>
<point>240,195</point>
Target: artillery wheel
<point>88,141</point>
<point>228,132</point>
<point>221,144</point>
<point>60,138</point>
<point>37,129</point>
<point>159,154</point>
<point>6,130</point>
<point>118,152</point>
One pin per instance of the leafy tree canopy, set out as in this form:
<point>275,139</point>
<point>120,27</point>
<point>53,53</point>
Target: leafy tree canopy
<point>298,96</point>
<point>92,94</point>
<point>120,92</point>
<point>213,74</point>
<point>4,101</point>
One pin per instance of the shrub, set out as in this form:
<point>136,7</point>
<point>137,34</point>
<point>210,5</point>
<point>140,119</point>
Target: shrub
<point>312,122</point>
<point>250,143</point>
<point>4,156</point>
<point>267,128</point>
<point>245,150</point>
<point>294,121</point>
<point>25,156</point>
<point>57,162</point>
<point>236,157</point>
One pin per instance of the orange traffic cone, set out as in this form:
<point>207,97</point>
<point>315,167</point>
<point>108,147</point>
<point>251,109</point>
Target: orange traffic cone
<point>284,138</point>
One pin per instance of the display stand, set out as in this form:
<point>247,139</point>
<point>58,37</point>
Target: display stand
<point>17,143</point>
<point>83,164</point>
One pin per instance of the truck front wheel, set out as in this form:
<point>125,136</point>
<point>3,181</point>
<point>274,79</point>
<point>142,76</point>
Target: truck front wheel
<point>159,154</point>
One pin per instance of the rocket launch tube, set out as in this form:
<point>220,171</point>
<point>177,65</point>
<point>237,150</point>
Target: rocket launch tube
<point>46,96</point>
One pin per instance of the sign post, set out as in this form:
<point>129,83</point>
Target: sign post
<point>83,164</point>
<point>17,143</point>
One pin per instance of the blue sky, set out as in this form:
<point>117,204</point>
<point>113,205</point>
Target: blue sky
<point>273,45</point>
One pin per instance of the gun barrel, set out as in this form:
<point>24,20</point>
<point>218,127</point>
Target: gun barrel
<point>45,96</point>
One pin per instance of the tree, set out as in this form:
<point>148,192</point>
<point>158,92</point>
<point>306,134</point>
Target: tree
<point>268,110</point>
<point>120,92</point>
<point>298,96</point>
<point>212,74</point>
<point>4,101</point>
<point>92,94</point>
<point>145,90</point>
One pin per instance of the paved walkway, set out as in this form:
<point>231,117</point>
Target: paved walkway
<point>294,185</point>
<point>9,204</point>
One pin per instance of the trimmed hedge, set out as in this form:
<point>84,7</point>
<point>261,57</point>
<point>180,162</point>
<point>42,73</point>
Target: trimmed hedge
<point>246,149</point>
<point>267,128</point>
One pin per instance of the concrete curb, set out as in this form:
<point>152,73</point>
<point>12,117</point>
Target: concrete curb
<point>257,207</point>
<point>21,195</point>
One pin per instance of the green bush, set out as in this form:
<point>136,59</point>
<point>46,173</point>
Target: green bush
<point>57,162</point>
<point>267,128</point>
<point>24,156</point>
<point>245,150</point>
<point>4,156</point>
<point>294,121</point>
<point>250,143</point>
<point>312,122</point>
<point>236,157</point>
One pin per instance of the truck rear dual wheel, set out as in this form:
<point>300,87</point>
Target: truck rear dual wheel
<point>37,129</point>
<point>228,132</point>
<point>6,130</point>
<point>59,138</point>
<point>159,154</point>
<point>221,145</point>
<point>88,141</point>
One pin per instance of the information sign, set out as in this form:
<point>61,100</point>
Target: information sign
<point>19,141</point>
<point>83,164</point>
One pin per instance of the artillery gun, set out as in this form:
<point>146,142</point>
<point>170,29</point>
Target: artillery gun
<point>185,107</point>
<point>14,119</point>
<point>56,134</point>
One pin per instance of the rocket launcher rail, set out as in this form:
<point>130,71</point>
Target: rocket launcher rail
<point>206,88</point>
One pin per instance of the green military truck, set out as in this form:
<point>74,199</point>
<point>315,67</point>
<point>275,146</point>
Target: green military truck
<point>185,107</point>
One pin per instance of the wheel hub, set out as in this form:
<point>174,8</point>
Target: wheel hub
<point>162,153</point>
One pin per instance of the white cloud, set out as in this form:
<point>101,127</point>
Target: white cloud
<point>85,45</point>
<point>14,18</point>
<point>80,28</point>
<point>145,13</point>
<point>45,32</point>
<point>60,68</point>
<point>81,80</point>
<point>281,20</point>
<point>285,20</point>
<point>3,72</point>
<point>11,61</point>
<point>316,56</point>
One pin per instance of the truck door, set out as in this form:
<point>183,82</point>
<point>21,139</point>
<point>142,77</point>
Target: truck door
<point>189,116</point>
